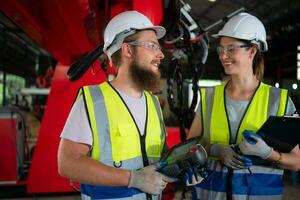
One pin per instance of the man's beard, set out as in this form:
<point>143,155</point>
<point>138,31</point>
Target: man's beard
<point>146,79</point>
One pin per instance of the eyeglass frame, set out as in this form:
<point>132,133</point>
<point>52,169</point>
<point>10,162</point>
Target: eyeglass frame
<point>222,50</point>
<point>146,45</point>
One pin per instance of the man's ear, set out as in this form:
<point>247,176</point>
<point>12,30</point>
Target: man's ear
<point>126,50</point>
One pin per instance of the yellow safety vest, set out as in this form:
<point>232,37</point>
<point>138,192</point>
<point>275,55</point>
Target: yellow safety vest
<point>116,138</point>
<point>266,182</point>
<point>259,109</point>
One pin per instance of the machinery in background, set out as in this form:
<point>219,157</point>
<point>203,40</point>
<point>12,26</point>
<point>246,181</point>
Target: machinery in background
<point>14,154</point>
<point>189,54</point>
<point>190,45</point>
<point>66,30</point>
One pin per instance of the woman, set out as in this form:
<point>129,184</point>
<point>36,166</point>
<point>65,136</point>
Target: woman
<point>243,103</point>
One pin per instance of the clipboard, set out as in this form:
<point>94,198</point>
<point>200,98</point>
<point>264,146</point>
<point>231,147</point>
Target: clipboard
<point>281,133</point>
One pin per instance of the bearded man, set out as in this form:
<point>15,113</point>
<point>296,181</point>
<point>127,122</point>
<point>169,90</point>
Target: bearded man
<point>115,132</point>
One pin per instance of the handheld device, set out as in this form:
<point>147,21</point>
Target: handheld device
<point>182,157</point>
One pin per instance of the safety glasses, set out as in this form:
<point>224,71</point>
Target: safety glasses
<point>147,45</point>
<point>231,49</point>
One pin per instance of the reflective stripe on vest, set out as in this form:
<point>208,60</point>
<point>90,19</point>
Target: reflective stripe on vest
<point>266,182</point>
<point>116,138</point>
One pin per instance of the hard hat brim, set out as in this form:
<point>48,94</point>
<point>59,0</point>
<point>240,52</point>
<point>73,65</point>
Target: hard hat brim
<point>216,36</point>
<point>160,31</point>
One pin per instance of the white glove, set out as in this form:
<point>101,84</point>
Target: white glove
<point>228,157</point>
<point>253,144</point>
<point>148,180</point>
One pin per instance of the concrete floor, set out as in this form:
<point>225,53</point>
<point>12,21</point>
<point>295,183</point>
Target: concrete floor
<point>291,192</point>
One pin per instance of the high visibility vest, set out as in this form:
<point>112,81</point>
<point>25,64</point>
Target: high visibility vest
<point>116,138</point>
<point>264,181</point>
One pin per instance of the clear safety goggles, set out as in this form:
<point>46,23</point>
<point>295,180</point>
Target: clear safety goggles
<point>231,49</point>
<point>147,45</point>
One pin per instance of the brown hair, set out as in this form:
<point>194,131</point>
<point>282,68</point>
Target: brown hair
<point>258,65</point>
<point>116,57</point>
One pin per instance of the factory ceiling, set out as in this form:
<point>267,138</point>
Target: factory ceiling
<point>280,17</point>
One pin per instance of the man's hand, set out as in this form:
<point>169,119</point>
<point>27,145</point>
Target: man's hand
<point>228,157</point>
<point>253,144</point>
<point>148,180</point>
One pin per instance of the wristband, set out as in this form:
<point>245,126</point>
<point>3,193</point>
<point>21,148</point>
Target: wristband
<point>278,160</point>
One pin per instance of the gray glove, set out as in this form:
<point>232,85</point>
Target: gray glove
<point>228,157</point>
<point>253,144</point>
<point>148,180</point>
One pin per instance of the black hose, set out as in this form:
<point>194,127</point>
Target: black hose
<point>79,67</point>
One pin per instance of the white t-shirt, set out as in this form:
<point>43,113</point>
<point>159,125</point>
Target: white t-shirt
<point>77,127</point>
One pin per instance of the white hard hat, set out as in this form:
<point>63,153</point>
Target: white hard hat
<point>246,27</point>
<point>123,25</point>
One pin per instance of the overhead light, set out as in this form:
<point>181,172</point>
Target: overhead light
<point>298,62</point>
<point>211,0</point>
<point>209,82</point>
